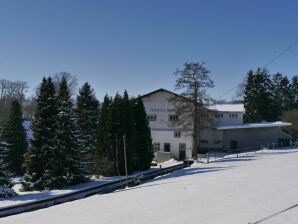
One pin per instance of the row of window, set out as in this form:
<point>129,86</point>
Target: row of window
<point>167,147</point>
<point>153,117</point>
<point>172,117</point>
<point>206,142</point>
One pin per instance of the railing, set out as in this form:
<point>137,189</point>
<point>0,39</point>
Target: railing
<point>104,188</point>
<point>214,156</point>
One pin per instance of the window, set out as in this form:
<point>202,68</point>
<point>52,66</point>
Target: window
<point>151,117</point>
<point>177,134</point>
<point>167,147</point>
<point>217,142</point>
<point>173,117</point>
<point>233,115</point>
<point>204,142</point>
<point>205,115</point>
<point>218,115</point>
<point>156,146</point>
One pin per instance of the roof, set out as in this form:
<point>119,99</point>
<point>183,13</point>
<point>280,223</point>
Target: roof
<point>163,90</point>
<point>254,125</point>
<point>227,108</point>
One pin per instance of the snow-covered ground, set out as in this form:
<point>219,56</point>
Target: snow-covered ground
<point>24,197</point>
<point>231,190</point>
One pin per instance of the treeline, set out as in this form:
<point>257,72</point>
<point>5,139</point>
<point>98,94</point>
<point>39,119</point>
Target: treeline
<point>267,96</point>
<point>9,91</point>
<point>72,142</point>
<point>123,119</point>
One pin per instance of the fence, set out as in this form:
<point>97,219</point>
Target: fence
<point>160,157</point>
<point>214,156</point>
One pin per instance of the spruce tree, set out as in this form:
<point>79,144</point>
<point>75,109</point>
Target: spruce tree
<point>127,129</point>
<point>87,113</point>
<point>43,127</point>
<point>258,99</point>
<point>105,159</point>
<point>294,92</point>
<point>143,140</point>
<point>15,136</point>
<point>5,174</point>
<point>64,163</point>
<point>281,93</point>
<point>249,98</point>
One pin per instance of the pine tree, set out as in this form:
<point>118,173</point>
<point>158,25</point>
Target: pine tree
<point>294,92</point>
<point>127,129</point>
<point>87,112</point>
<point>143,142</point>
<point>15,136</point>
<point>249,98</point>
<point>5,174</point>
<point>43,127</point>
<point>105,159</point>
<point>64,163</point>
<point>281,93</point>
<point>258,99</point>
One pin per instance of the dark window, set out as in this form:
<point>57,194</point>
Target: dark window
<point>151,117</point>
<point>205,142</point>
<point>156,146</point>
<point>177,134</point>
<point>173,117</point>
<point>167,147</point>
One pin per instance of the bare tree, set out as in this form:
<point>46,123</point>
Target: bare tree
<point>71,80</point>
<point>191,109</point>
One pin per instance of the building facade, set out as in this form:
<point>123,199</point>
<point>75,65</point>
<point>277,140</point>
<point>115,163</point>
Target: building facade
<point>226,130</point>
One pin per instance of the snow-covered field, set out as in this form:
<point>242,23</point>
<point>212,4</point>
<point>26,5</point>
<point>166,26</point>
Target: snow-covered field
<point>24,197</point>
<point>231,190</point>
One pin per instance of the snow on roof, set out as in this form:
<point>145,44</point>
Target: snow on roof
<point>254,125</point>
<point>227,108</point>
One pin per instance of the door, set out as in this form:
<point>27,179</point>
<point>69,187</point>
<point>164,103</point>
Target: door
<point>167,147</point>
<point>234,144</point>
<point>182,148</point>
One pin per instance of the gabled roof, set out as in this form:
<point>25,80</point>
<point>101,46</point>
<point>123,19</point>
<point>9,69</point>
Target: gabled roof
<point>163,90</point>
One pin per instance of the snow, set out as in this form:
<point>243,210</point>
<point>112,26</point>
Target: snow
<point>28,196</point>
<point>255,125</point>
<point>231,191</point>
<point>228,108</point>
<point>26,124</point>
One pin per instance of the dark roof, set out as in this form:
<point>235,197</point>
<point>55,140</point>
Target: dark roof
<point>163,90</point>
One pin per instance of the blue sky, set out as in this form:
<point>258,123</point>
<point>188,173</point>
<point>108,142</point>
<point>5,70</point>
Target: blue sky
<point>137,45</point>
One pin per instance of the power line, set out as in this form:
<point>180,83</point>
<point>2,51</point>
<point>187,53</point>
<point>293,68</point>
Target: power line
<point>268,63</point>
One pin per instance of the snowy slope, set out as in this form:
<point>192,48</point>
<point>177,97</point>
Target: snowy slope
<point>232,190</point>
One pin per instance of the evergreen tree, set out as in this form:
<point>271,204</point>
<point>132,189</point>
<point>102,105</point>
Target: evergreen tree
<point>15,136</point>
<point>64,163</point>
<point>281,93</point>
<point>127,129</point>
<point>105,159</point>
<point>249,98</point>
<point>87,113</point>
<point>143,140</point>
<point>43,127</point>
<point>294,92</point>
<point>258,100</point>
<point>5,174</point>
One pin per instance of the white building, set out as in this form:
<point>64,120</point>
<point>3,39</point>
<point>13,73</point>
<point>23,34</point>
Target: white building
<point>226,132</point>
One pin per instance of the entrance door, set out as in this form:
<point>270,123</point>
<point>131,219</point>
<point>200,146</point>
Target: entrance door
<point>167,147</point>
<point>182,148</point>
<point>234,144</point>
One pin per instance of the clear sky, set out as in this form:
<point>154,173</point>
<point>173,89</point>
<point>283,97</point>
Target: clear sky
<point>138,44</point>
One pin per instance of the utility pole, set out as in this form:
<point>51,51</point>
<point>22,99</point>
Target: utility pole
<point>125,161</point>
